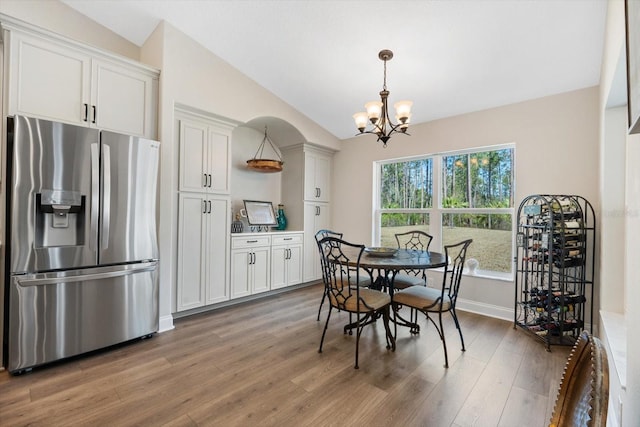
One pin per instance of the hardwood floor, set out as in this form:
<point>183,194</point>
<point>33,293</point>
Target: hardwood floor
<point>258,364</point>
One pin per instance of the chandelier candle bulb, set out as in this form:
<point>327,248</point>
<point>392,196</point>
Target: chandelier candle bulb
<point>403,110</point>
<point>361,120</point>
<point>374,108</point>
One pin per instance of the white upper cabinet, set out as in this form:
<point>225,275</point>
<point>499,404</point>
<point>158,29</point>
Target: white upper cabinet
<point>205,157</point>
<point>122,100</point>
<point>317,175</point>
<point>56,79</point>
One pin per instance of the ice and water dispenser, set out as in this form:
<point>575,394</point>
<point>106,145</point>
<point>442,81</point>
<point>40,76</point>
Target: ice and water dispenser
<point>60,218</point>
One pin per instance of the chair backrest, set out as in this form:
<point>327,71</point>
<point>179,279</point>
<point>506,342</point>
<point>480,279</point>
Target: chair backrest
<point>321,234</point>
<point>415,239</point>
<point>456,255</point>
<point>583,396</point>
<point>341,271</point>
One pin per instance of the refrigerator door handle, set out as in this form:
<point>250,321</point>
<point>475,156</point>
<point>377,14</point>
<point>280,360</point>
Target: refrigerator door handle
<point>106,196</point>
<point>54,278</point>
<point>95,196</point>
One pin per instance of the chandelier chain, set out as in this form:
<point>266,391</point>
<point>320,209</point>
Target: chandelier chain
<point>384,83</point>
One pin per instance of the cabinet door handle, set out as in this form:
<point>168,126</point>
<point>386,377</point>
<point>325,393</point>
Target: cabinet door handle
<point>209,206</point>
<point>86,112</point>
<point>288,253</point>
<point>253,257</point>
<point>319,192</point>
<point>204,206</point>
<point>204,181</point>
<point>210,180</point>
<point>317,210</point>
<point>95,113</point>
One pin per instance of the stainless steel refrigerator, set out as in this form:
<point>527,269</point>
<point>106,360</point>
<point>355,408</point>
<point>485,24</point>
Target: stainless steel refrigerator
<point>81,248</point>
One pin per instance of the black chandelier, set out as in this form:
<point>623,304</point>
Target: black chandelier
<point>378,113</point>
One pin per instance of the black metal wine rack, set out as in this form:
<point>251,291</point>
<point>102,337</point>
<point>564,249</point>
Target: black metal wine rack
<point>554,264</point>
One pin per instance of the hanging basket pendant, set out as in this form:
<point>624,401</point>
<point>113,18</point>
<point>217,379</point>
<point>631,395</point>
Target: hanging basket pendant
<point>265,165</point>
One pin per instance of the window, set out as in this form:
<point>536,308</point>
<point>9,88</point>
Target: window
<point>406,198</point>
<point>475,201</point>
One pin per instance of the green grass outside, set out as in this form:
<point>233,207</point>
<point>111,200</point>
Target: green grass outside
<point>494,252</point>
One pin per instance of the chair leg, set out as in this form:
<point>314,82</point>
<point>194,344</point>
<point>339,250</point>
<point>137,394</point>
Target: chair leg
<point>455,319</point>
<point>324,295</point>
<point>390,337</point>
<point>395,309</point>
<point>358,332</point>
<point>325,329</point>
<point>444,341</point>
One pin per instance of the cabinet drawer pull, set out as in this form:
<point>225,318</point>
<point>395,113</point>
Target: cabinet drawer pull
<point>252,241</point>
<point>288,238</point>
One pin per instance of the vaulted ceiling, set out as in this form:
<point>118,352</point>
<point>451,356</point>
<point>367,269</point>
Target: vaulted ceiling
<point>321,56</point>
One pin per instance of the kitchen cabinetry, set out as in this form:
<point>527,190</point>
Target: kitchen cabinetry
<point>54,78</point>
<point>286,260</point>
<point>203,250</point>
<point>205,156</point>
<point>306,192</point>
<point>316,217</point>
<point>554,267</point>
<point>250,264</point>
<point>204,216</point>
<point>317,174</point>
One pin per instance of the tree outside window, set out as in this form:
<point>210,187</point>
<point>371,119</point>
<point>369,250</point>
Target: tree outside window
<point>475,201</point>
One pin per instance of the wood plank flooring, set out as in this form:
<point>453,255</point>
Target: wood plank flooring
<point>258,364</point>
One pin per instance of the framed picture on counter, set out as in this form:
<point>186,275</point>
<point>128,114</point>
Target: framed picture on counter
<point>260,213</point>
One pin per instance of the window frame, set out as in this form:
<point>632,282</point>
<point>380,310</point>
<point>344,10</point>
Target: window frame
<point>436,211</point>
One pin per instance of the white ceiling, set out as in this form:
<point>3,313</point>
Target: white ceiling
<point>321,56</point>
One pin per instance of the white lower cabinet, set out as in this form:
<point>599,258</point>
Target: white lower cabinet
<point>316,217</point>
<point>250,265</point>
<point>203,250</point>
<point>286,260</point>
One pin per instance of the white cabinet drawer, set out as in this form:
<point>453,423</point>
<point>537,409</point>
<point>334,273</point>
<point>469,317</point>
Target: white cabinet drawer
<point>287,239</point>
<point>249,241</point>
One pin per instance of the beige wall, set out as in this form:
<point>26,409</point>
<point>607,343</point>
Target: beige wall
<point>620,243</point>
<point>194,77</point>
<point>556,140</point>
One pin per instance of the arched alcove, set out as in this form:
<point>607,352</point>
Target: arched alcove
<point>246,139</point>
<point>281,132</point>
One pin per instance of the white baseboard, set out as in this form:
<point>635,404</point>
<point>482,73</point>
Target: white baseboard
<point>166,323</point>
<point>485,309</point>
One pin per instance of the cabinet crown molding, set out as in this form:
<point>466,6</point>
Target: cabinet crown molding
<point>9,24</point>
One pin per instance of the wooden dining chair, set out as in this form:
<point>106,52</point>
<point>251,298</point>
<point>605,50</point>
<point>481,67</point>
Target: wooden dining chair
<point>583,395</point>
<point>341,265</point>
<point>321,234</point>
<point>431,301</point>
